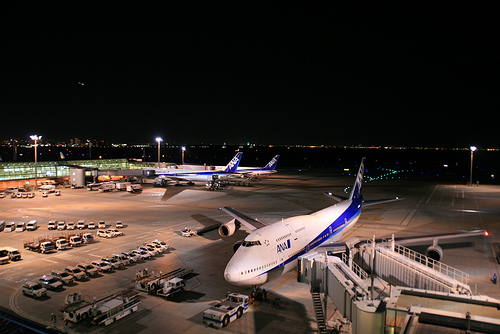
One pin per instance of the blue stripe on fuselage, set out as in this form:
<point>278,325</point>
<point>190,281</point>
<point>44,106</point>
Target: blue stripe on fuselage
<point>353,211</point>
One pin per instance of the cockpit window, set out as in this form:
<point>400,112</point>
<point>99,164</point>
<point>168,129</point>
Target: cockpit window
<point>250,243</point>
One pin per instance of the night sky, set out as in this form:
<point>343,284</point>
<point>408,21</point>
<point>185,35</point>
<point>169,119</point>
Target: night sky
<point>215,72</point>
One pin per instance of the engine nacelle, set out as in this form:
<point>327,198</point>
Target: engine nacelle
<point>228,229</point>
<point>434,252</point>
<point>237,245</point>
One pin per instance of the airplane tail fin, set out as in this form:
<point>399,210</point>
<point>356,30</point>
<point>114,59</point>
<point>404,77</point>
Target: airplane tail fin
<point>272,164</point>
<point>233,164</point>
<point>356,190</point>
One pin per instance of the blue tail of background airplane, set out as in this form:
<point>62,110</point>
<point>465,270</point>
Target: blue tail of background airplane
<point>356,190</point>
<point>272,164</point>
<point>233,164</point>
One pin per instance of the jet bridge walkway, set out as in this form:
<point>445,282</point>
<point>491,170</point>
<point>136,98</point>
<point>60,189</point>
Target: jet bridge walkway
<point>402,266</point>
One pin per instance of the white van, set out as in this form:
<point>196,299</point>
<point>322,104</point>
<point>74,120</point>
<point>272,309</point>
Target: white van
<point>20,227</point>
<point>47,188</point>
<point>9,227</point>
<point>13,253</point>
<point>31,225</point>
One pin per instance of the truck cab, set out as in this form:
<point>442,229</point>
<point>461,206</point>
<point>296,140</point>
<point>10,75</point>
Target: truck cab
<point>62,244</point>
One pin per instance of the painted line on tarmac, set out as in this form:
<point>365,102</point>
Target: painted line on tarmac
<point>50,261</point>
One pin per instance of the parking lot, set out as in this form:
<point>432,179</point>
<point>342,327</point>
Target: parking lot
<point>160,213</point>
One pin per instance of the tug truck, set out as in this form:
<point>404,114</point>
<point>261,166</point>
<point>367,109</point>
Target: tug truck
<point>228,310</point>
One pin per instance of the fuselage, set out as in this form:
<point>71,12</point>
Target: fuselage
<point>195,176</point>
<point>271,251</point>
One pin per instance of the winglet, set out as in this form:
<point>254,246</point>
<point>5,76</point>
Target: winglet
<point>234,163</point>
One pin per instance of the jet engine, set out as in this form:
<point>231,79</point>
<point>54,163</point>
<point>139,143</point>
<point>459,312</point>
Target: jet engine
<point>434,251</point>
<point>228,229</point>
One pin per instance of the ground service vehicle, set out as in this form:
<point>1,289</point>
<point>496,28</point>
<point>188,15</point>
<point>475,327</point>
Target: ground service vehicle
<point>228,310</point>
<point>75,240</point>
<point>119,224</point>
<point>106,187</point>
<point>61,225</point>
<point>50,282</point>
<point>36,290</point>
<point>40,245</point>
<point>81,224</point>
<point>122,186</point>
<point>13,253</point>
<point>87,238</point>
<point>70,226</point>
<point>102,266</point>
<point>151,282</point>
<point>77,273</point>
<point>113,262</point>
<point>91,225</point>
<point>142,254</point>
<point>2,225</point>
<point>163,244</point>
<point>116,308</point>
<point>187,232</point>
<point>88,268</point>
<point>171,287</point>
<point>114,232</point>
<point>134,188</point>
<point>21,227</point>
<point>104,234</point>
<point>151,250</point>
<point>102,224</point>
<point>122,258</point>
<point>31,225</point>
<point>132,257</point>
<point>9,227</point>
<point>63,276</point>
<point>61,243</point>
<point>4,256</point>
<point>52,225</point>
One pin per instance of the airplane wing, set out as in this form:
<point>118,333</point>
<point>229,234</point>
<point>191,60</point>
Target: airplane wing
<point>249,222</point>
<point>380,201</point>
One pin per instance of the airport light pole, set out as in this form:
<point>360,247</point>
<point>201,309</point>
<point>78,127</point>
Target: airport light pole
<point>36,138</point>
<point>183,148</point>
<point>159,140</point>
<point>472,149</point>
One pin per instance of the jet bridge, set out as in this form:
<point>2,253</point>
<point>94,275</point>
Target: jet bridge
<point>402,266</point>
<point>371,302</point>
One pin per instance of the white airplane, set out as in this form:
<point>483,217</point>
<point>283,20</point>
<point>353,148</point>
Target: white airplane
<point>201,175</point>
<point>270,251</point>
<point>257,171</point>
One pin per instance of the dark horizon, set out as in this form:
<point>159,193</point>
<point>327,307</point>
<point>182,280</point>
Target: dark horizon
<point>307,75</point>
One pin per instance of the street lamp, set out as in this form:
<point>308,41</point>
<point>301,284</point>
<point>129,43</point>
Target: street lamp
<point>159,140</point>
<point>183,148</point>
<point>472,149</point>
<point>36,138</point>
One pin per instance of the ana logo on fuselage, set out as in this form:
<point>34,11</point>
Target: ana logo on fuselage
<point>283,246</point>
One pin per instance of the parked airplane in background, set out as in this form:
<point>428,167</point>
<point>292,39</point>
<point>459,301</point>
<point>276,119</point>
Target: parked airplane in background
<point>201,175</point>
<point>257,171</point>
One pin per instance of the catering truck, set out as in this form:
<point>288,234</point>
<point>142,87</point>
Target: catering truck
<point>40,245</point>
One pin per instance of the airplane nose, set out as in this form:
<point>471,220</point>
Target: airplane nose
<point>231,274</point>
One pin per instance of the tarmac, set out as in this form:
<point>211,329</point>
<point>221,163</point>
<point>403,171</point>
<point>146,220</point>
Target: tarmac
<point>161,213</point>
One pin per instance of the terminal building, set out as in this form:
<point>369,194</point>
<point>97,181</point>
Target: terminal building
<point>71,172</point>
